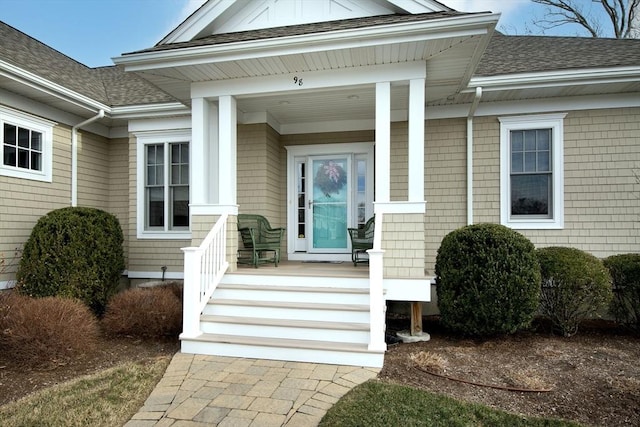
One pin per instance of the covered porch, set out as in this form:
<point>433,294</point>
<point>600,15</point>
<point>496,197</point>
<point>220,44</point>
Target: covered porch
<point>264,110</point>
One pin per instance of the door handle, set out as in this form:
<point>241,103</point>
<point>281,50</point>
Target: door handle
<point>310,203</point>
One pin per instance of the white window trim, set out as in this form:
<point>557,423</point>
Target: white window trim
<point>144,139</point>
<point>555,122</point>
<point>27,121</point>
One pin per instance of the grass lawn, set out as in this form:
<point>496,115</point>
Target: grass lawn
<point>108,398</point>
<point>376,403</point>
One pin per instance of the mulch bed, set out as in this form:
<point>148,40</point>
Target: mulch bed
<point>594,376</point>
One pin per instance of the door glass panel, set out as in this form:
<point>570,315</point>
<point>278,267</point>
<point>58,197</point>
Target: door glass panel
<point>330,205</point>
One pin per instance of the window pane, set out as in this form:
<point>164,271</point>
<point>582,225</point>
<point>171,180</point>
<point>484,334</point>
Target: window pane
<point>543,161</point>
<point>517,162</point>
<point>36,161</point>
<point>175,174</point>
<point>23,159</point>
<point>543,137</point>
<point>23,137</point>
<point>529,140</point>
<point>184,171</point>
<point>516,140</point>
<point>180,206</point>
<point>155,213</point>
<point>530,161</point>
<point>9,134</point>
<point>36,141</point>
<point>530,194</point>
<point>9,155</point>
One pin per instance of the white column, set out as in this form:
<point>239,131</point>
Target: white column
<point>199,133</point>
<point>416,139</point>
<point>383,141</point>
<point>227,134</point>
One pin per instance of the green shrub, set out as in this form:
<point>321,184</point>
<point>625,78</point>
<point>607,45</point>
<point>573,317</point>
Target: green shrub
<point>487,280</point>
<point>45,332</point>
<point>144,312</point>
<point>625,274</point>
<point>575,286</point>
<point>75,253</point>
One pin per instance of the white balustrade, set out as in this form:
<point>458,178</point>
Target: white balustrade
<point>204,267</point>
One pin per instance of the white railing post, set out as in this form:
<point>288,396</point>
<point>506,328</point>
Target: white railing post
<point>191,293</point>
<point>376,292</point>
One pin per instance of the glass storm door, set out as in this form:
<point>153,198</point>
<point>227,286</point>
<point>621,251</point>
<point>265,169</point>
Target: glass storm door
<point>329,202</point>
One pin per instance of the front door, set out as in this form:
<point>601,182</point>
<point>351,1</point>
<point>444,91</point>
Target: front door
<point>330,190</point>
<point>329,203</point>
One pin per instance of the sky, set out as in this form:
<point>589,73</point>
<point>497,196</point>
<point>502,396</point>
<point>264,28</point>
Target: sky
<point>94,31</point>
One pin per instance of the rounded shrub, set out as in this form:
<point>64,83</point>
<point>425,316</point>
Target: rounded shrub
<point>144,312</point>
<point>487,280</point>
<point>44,332</point>
<point>76,253</point>
<point>575,286</point>
<point>625,275</point>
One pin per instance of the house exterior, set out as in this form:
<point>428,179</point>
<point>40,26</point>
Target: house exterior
<point>430,118</point>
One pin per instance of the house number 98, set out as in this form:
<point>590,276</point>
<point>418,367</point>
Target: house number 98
<point>297,81</point>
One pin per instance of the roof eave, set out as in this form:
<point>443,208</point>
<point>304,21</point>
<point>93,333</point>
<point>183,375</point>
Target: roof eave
<point>545,79</point>
<point>467,25</point>
<point>50,88</point>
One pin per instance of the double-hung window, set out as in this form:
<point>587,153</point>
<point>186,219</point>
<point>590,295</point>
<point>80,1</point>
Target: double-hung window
<point>163,185</point>
<point>531,171</point>
<point>25,146</point>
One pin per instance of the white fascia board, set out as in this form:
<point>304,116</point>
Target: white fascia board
<point>555,78</point>
<point>460,26</point>
<point>313,80</point>
<point>34,81</point>
<point>150,110</point>
<point>533,106</point>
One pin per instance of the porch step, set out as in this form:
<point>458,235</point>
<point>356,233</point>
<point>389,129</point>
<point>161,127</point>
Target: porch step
<point>307,319</point>
<point>284,349</point>
<point>337,332</point>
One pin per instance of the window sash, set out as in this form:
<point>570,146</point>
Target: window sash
<point>531,180</point>
<point>166,187</point>
<point>22,147</point>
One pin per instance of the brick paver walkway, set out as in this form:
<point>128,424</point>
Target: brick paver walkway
<point>201,390</point>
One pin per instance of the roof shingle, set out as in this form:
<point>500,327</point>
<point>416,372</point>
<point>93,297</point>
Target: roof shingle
<point>529,54</point>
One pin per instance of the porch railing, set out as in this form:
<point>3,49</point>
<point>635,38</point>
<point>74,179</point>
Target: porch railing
<point>204,267</point>
<point>376,291</point>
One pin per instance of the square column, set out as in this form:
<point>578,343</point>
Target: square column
<point>383,142</point>
<point>416,139</point>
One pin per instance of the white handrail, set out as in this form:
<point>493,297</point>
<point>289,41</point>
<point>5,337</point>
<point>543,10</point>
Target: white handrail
<point>204,267</point>
<point>376,292</point>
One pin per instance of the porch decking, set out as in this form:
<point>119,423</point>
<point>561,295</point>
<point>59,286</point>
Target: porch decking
<point>308,269</point>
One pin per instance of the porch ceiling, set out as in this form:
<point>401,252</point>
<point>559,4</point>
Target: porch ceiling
<point>449,64</point>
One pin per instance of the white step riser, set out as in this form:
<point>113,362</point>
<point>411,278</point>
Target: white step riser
<point>311,297</point>
<point>296,354</point>
<point>287,313</point>
<point>315,334</point>
<point>312,282</point>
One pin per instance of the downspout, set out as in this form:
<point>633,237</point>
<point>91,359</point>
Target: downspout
<point>472,112</point>
<point>74,156</point>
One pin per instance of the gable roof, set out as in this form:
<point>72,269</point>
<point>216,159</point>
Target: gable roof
<point>110,86</point>
<point>302,29</point>
<point>531,54</point>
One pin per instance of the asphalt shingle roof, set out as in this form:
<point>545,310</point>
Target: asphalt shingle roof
<point>108,85</point>
<point>529,54</point>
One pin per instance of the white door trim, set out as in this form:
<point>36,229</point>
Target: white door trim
<point>296,151</point>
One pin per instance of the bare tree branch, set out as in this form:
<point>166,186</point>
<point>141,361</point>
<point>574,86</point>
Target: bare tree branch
<point>622,14</point>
